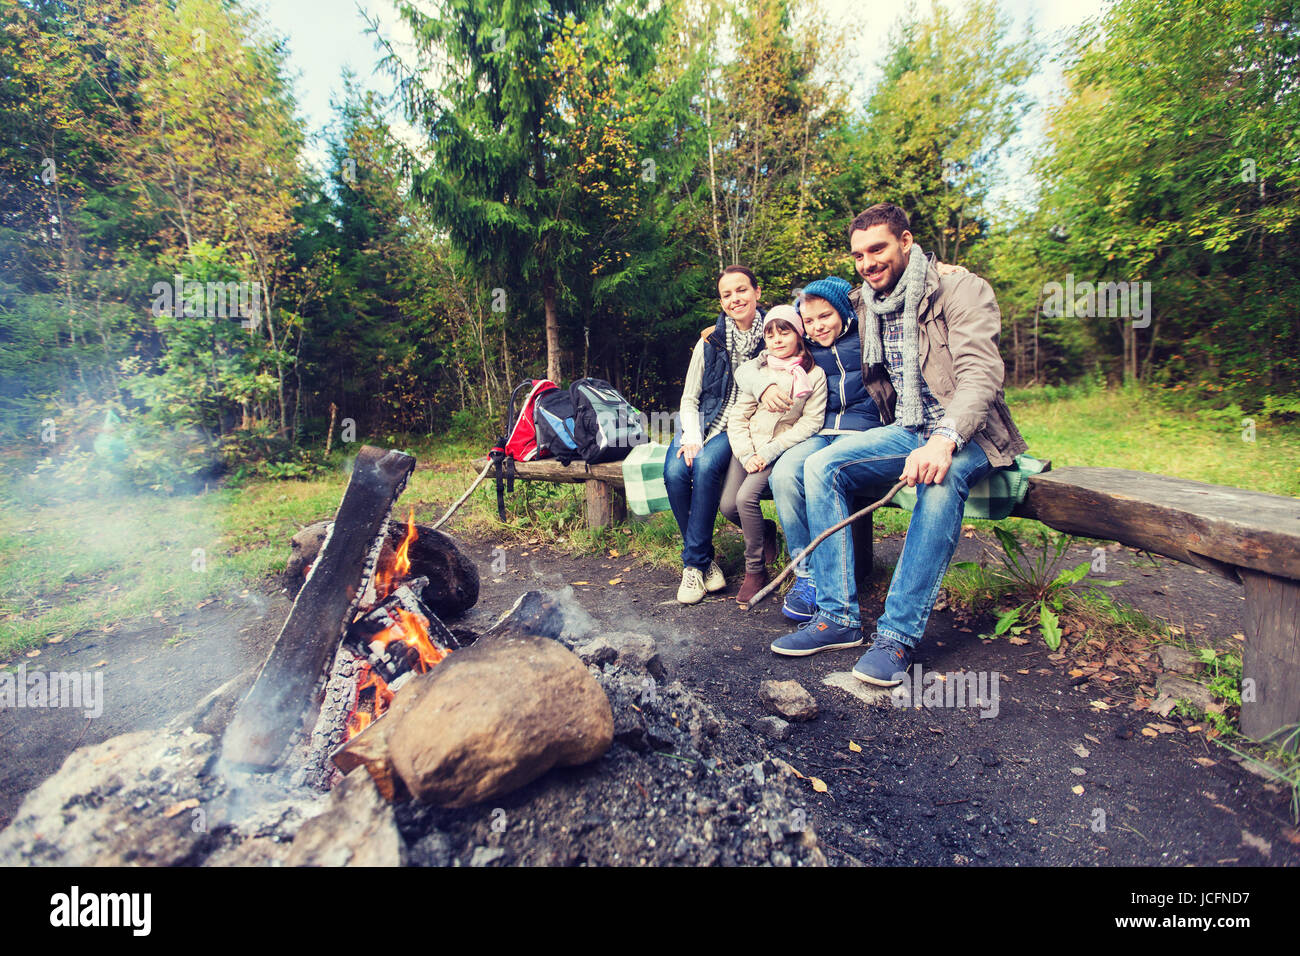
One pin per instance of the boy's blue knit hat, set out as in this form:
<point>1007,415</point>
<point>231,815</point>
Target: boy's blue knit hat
<point>835,291</point>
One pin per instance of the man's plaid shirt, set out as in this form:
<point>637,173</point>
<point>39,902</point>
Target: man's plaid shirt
<point>891,335</point>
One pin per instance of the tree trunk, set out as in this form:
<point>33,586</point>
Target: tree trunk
<point>552,330</point>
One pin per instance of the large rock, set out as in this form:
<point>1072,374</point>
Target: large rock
<point>357,829</point>
<point>138,799</point>
<point>493,717</point>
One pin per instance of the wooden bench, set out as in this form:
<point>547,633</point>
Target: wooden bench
<point>1247,537</point>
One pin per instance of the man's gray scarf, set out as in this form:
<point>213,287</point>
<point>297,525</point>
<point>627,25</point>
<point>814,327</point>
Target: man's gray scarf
<point>907,297</point>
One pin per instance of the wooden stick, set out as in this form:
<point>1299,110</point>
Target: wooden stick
<point>818,540</point>
<point>452,510</point>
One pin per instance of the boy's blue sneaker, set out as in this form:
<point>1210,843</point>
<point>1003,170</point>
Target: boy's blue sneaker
<point>801,600</point>
<point>817,635</point>
<point>885,663</point>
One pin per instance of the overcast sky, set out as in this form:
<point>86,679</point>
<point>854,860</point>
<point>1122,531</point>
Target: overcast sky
<point>325,36</point>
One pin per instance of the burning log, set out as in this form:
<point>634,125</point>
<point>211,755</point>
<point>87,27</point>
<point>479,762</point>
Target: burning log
<point>285,697</point>
<point>453,578</point>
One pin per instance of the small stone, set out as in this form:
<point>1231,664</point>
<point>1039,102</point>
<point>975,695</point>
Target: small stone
<point>636,651</point>
<point>1178,660</point>
<point>789,699</point>
<point>774,728</point>
<point>486,856</point>
<point>1180,688</point>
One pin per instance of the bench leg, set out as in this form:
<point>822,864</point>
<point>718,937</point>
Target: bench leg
<point>1271,659</point>
<point>864,543</point>
<point>606,504</point>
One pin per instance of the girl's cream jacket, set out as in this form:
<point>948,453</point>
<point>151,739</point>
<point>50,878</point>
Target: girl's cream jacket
<point>753,430</point>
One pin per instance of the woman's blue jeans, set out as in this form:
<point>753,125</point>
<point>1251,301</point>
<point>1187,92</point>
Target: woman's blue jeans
<point>695,491</point>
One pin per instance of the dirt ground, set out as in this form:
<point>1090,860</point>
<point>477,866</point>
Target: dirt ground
<point>1051,779</point>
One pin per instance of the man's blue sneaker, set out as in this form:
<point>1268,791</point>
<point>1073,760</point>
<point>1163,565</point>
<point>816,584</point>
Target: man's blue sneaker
<point>885,663</point>
<point>801,601</point>
<point>817,635</point>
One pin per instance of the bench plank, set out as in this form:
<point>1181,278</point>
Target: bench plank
<point>549,469</point>
<point>1213,527</point>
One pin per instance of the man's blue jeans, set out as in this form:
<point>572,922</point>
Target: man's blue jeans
<point>875,459</point>
<point>695,492</point>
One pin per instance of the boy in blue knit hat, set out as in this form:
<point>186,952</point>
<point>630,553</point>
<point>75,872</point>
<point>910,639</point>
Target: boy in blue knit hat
<point>830,322</point>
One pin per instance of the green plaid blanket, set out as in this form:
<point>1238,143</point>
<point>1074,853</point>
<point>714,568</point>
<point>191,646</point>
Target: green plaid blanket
<point>643,479</point>
<point>993,498</point>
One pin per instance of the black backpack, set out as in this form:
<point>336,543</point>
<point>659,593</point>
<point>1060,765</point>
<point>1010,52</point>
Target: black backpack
<point>553,418</point>
<point>605,425</point>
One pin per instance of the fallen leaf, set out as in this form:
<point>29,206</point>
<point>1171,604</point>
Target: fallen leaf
<point>1075,672</point>
<point>579,583</point>
<point>614,581</point>
<point>1206,761</point>
<point>1081,750</point>
<point>1148,732</point>
<point>1092,738</point>
<point>1165,728</point>
<point>1078,771</point>
<point>1194,728</point>
<point>176,808</point>
<point>1239,637</point>
<point>1292,836</point>
<point>1034,821</point>
<point>1025,671</point>
<point>56,639</point>
<point>854,747</point>
<point>817,784</point>
<point>1077,789</point>
<point>936,730</point>
<point>613,553</point>
<point>1018,640</point>
<point>100,664</point>
<point>34,652</point>
<point>1259,843</point>
<point>1099,704</point>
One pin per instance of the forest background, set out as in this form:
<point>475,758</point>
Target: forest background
<point>552,190</point>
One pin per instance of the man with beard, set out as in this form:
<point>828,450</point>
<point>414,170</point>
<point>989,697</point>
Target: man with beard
<point>937,335</point>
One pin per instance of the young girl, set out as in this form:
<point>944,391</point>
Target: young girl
<point>759,436</point>
<point>699,456</point>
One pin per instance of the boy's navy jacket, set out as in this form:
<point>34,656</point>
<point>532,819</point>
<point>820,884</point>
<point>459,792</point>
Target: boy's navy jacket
<point>849,406</point>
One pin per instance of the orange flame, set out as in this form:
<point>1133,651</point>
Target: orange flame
<point>411,629</point>
<point>388,579</point>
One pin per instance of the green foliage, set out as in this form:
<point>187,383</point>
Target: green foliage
<point>1043,587</point>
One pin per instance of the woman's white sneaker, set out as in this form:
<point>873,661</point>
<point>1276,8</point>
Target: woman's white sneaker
<point>714,580</point>
<point>692,586</point>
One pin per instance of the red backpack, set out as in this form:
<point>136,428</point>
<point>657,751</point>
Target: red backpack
<point>521,441</point>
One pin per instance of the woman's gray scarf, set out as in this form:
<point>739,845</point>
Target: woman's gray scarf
<point>740,345</point>
<point>907,297</point>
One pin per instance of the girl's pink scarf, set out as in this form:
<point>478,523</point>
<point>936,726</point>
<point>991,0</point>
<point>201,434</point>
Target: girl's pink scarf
<point>799,386</point>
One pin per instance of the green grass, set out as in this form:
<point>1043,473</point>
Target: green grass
<point>72,565</point>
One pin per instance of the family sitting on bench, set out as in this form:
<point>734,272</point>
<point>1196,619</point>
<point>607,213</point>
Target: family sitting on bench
<point>854,389</point>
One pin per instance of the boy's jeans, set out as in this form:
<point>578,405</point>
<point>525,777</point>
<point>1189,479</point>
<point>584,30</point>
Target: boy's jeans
<point>874,459</point>
<point>694,492</point>
<point>788,492</point>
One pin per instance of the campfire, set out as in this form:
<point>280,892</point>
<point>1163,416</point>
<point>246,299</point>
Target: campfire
<point>391,634</point>
<point>366,619</point>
